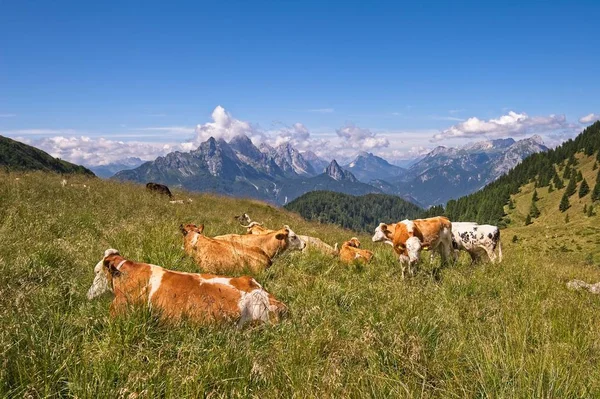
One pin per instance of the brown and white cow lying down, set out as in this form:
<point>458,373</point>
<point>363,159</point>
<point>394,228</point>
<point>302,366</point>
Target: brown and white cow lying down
<point>198,297</point>
<point>220,256</point>
<point>311,242</point>
<point>351,252</point>
<point>272,243</point>
<point>409,237</point>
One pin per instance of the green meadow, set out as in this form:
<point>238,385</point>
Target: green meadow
<point>509,330</point>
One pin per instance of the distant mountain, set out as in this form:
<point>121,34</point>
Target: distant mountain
<point>213,167</point>
<point>367,167</point>
<point>289,159</point>
<point>360,213</point>
<point>447,173</point>
<point>108,170</point>
<point>333,179</point>
<point>318,163</point>
<point>281,174</point>
<point>16,156</point>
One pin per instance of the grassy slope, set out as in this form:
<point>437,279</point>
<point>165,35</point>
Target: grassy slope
<point>509,330</point>
<point>549,233</point>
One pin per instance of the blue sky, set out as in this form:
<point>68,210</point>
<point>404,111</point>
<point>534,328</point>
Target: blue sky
<point>353,74</point>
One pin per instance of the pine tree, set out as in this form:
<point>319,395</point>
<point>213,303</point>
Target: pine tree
<point>567,172</point>
<point>534,212</point>
<point>571,187</point>
<point>579,177</point>
<point>564,203</point>
<point>558,183</point>
<point>511,204</point>
<point>590,211</point>
<point>584,189</point>
<point>595,166</point>
<point>535,196</point>
<point>572,161</point>
<point>550,188</point>
<point>567,218</point>
<point>596,190</point>
<point>585,209</point>
<point>528,220</point>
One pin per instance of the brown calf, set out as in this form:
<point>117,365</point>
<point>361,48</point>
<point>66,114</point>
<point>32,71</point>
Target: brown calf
<point>351,252</point>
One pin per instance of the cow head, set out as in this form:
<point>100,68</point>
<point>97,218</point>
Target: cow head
<point>191,228</point>
<point>353,242</point>
<point>384,232</point>
<point>104,271</point>
<point>256,228</point>
<point>293,242</point>
<point>243,219</point>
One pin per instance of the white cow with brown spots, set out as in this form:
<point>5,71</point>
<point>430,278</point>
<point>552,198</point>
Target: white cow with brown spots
<point>201,298</point>
<point>220,256</point>
<point>409,237</point>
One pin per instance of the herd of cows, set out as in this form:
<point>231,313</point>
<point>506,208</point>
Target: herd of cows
<point>205,297</point>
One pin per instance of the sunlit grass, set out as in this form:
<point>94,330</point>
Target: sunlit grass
<point>508,330</point>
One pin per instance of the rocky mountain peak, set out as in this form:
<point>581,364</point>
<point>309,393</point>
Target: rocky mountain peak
<point>335,171</point>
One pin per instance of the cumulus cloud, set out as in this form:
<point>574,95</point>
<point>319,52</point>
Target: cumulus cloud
<point>590,118</point>
<point>99,151</point>
<point>361,139</point>
<point>509,125</point>
<point>225,127</point>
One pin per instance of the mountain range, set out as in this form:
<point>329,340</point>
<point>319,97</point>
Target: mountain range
<point>282,173</point>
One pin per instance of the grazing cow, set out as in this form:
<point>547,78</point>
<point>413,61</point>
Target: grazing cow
<point>409,237</point>
<point>478,240</point>
<point>351,252</point>
<point>159,188</point>
<point>271,243</point>
<point>63,182</point>
<point>219,256</point>
<point>199,297</point>
<point>311,242</point>
<point>578,284</point>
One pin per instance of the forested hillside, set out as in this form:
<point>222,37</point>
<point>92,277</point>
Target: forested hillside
<point>16,156</point>
<point>361,213</point>
<point>487,205</point>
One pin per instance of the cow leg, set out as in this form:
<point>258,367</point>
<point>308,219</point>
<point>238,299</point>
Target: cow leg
<point>490,254</point>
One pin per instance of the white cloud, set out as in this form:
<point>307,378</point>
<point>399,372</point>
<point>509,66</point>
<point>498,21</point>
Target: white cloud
<point>361,139</point>
<point>99,151</point>
<point>590,118</point>
<point>224,126</point>
<point>509,125</point>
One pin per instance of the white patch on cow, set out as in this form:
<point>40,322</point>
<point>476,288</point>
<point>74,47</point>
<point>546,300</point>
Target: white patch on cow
<point>155,281</point>
<point>195,239</point>
<point>410,225</point>
<point>294,242</point>
<point>253,306</point>
<point>218,280</point>
<point>100,284</point>
<point>380,235</point>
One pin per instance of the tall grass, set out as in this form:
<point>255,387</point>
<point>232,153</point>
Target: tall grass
<point>509,330</point>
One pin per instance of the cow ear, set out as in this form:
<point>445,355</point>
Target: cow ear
<point>109,264</point>
<point>282,235</point>
<point>200,229</point>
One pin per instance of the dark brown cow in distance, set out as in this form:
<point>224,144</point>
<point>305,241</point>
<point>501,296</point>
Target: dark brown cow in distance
<point>159,188</point>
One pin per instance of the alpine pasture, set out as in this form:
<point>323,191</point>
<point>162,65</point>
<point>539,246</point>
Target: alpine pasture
<point>491,330</point>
